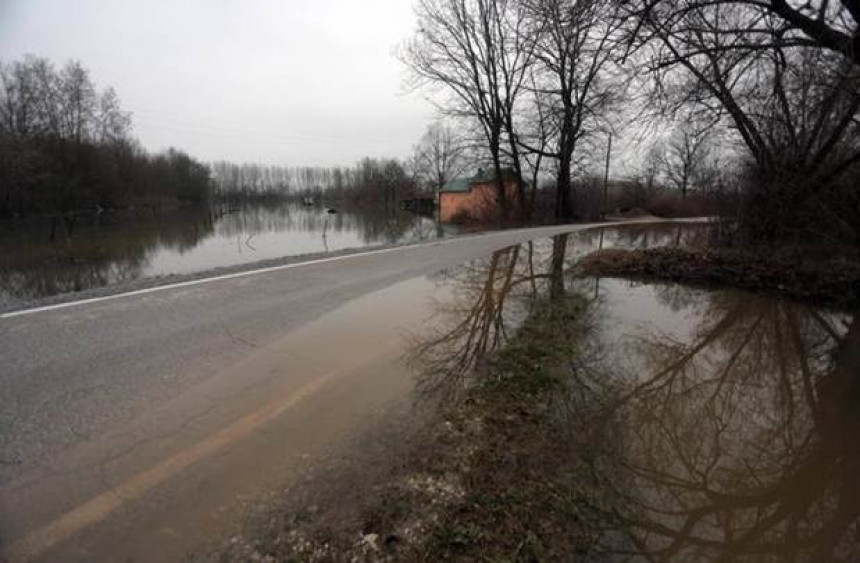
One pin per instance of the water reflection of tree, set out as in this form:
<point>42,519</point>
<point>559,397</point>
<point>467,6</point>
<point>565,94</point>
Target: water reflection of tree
<point>741,443</point>
<point>649,235</point>
<point>738,440</point>
<point>489,298</point>
<point>473,323</point>
<point>114,248</point>
<point>104,250</point>
<point>373,225</point>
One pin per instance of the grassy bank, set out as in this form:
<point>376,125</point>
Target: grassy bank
<point>831,280</point>
<point>521,499</point>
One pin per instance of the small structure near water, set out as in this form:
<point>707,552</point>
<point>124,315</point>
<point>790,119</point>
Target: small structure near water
<point>475,198</point>
<point>419,205</point>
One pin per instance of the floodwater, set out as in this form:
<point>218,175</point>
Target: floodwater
<point>733,421</point>
<point>44,257</point>
<point>705,425</point>
<point>158,487</point>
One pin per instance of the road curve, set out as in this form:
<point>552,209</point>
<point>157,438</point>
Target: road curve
<point>108,404</point>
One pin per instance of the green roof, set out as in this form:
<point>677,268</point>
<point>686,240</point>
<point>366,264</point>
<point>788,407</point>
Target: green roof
<point>464,184</point>
<point>457,185</point>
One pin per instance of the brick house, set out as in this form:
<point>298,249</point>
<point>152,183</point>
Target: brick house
<point>475,198</point>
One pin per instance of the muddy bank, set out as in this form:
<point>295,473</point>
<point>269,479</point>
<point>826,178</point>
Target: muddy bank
<point>832,281</point>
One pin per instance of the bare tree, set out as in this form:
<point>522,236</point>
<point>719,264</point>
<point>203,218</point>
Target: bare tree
<point>475,50</point>
<point>113,125</point>
<point>439,155</point>
<point>823,24</point>
<point>572,41</point>
<point>683,159</point>
<point>78,102</point>
<point>67,147</point>
<point>793,104</point>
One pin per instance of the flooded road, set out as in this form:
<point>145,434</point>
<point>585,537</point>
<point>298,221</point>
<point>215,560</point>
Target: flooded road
<point>45,257</point>
<point>712,424</point>
<point>100,398</point>
<point>178,473</point>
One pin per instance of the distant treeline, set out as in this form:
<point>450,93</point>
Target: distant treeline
<point>371,180</point>
<point>66,147</point>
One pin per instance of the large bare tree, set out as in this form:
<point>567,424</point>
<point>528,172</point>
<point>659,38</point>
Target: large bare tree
<point>791,100</point>
<point>825,24</point>
<point>475,50</point>
<point>572,40</point>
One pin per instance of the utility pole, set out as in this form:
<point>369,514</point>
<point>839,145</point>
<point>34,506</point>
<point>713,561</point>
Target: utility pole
<point>606,179</point>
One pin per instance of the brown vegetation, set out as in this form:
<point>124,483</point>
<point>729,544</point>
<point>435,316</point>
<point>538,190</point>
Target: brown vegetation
<point>831,279</point>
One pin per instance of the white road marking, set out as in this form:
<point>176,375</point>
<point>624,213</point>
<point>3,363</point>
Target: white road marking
<point>258,271</point>
<point>191,283</point>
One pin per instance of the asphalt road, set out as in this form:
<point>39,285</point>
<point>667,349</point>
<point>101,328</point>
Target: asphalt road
<point>130,426</point>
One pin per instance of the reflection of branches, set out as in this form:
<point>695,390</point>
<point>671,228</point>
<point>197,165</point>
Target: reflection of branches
<point>481,314</point>
<point>559,250</point>
<point>729,450</point>
<point>737,439</point>
<point>451,355</point>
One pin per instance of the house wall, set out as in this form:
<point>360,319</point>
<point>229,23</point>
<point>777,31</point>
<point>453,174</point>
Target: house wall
<point>478,204</point>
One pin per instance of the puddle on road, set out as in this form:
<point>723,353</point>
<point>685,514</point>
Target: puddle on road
<point>713,425</point>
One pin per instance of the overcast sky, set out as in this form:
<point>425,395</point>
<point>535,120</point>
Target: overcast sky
<point>303,82</point>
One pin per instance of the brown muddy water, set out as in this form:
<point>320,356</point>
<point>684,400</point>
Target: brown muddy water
<point>721,426</point>
<point>701,425</point>
<point>157,486</point>
<point>707,425</point>
<point>45,257</point>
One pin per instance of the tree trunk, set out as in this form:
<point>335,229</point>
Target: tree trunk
<point>563,207</point>
<point>556,274</point>
<point>500,187</point>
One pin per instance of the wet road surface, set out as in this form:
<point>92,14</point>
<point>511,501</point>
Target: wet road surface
<point>132,426</point>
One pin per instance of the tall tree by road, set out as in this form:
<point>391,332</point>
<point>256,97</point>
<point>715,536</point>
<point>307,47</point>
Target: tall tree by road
<point>475,50</point>
<point>572,43</point>
<point>792,100</point>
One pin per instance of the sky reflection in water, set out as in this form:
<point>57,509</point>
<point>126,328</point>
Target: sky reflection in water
<point>98,251</point>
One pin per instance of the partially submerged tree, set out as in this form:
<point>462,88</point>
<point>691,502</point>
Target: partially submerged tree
<point>66,147</point>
